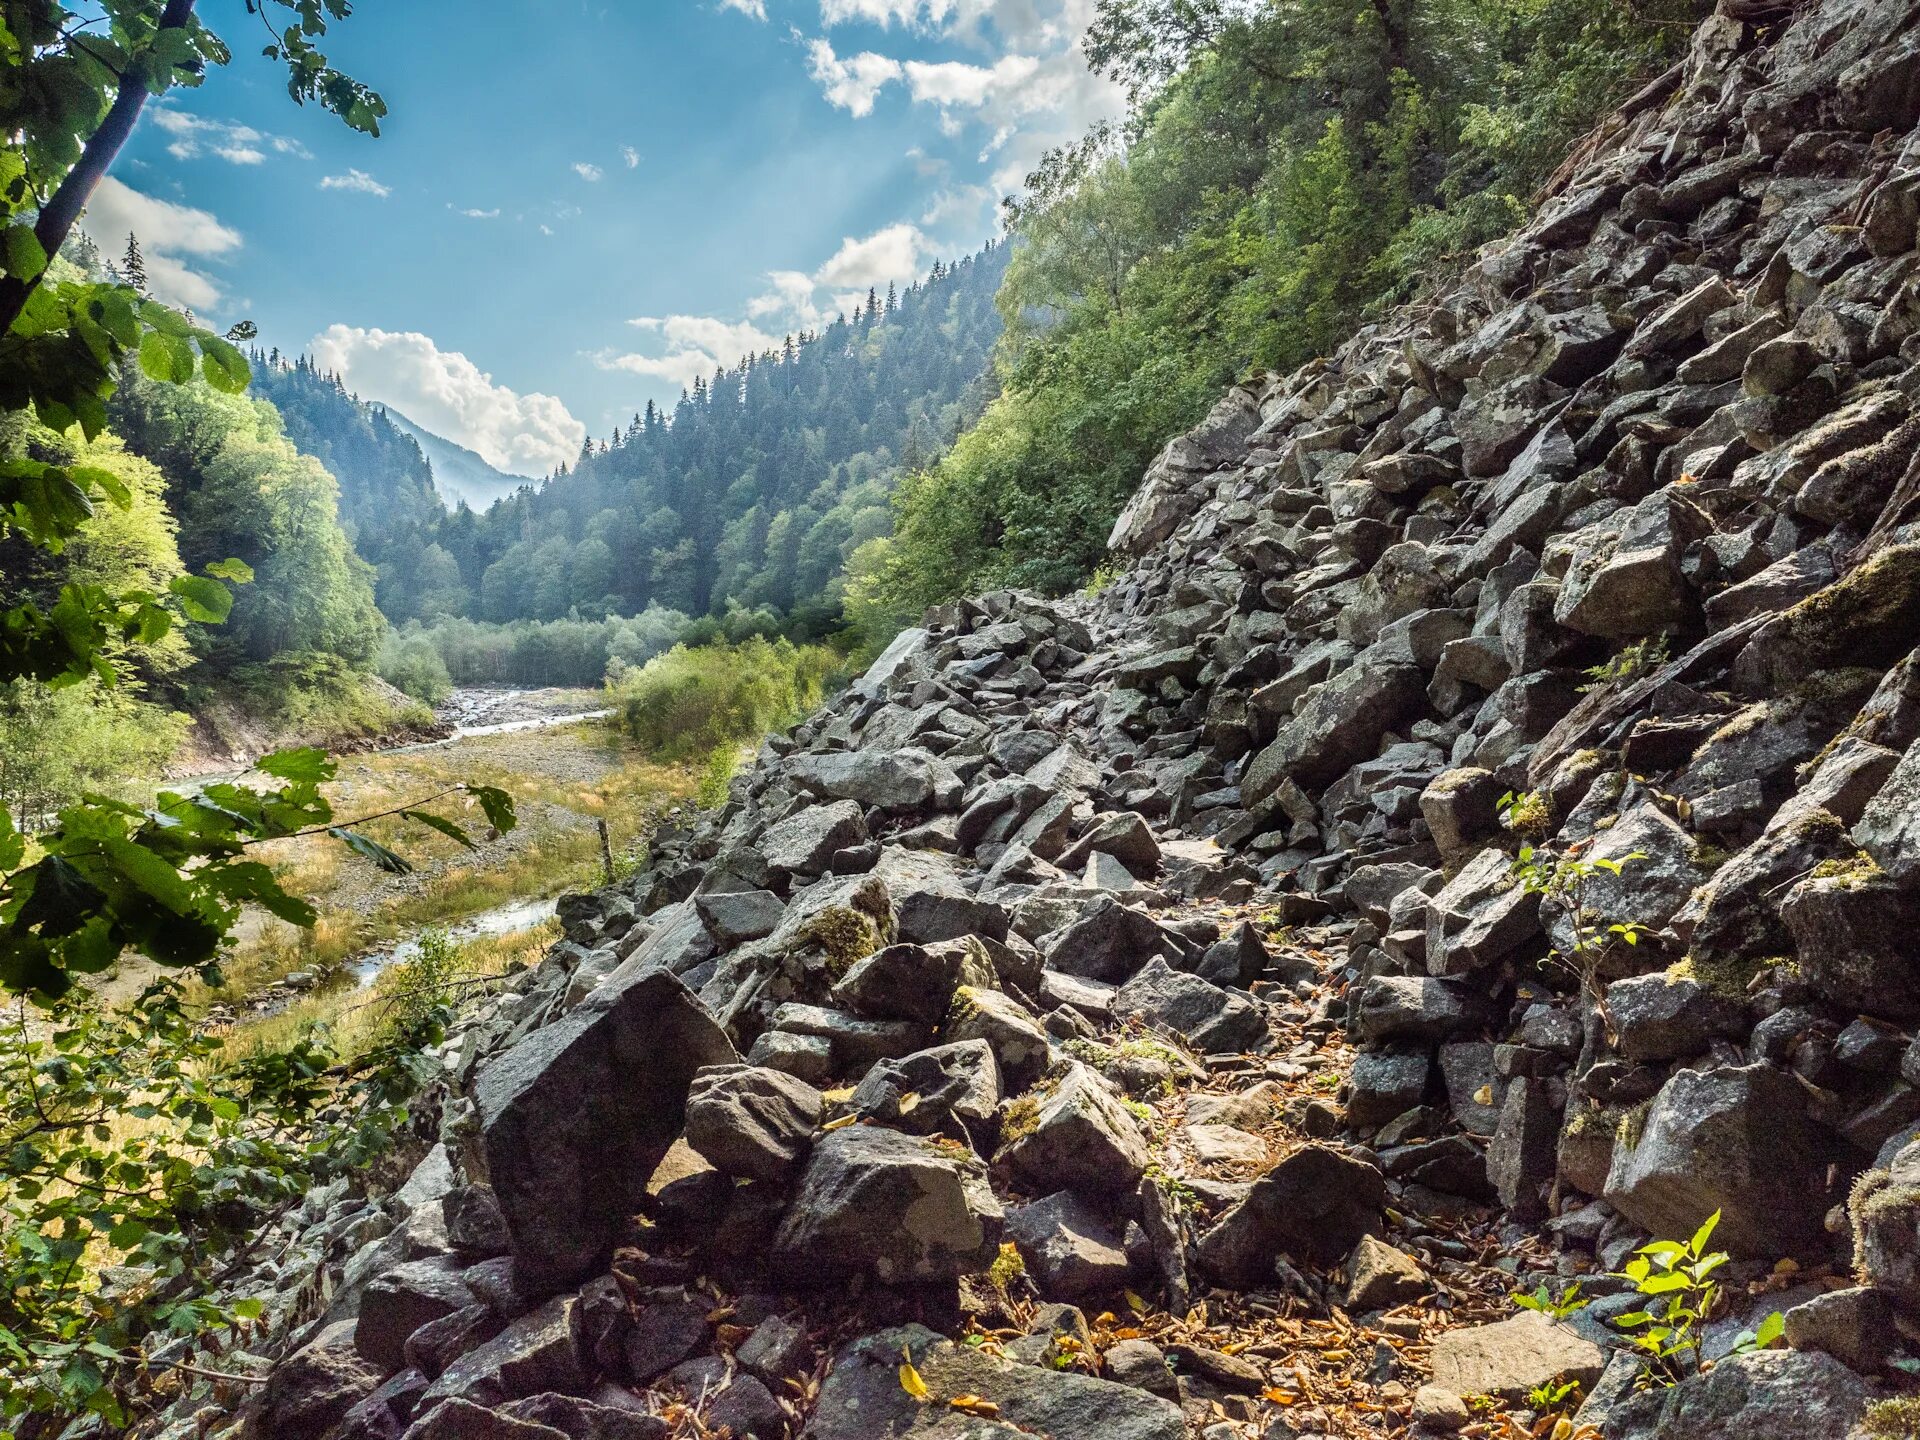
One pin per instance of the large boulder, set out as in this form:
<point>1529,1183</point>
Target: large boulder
<point>905,779</point>
<point>1889,830</point>
<point>1313,1206</point>
<point>399,1301</point>
<point>575,1117</point>
<point>1853,939</point>
<point>1071,1250</point>
<point>806,841</point>
<point>1737,1140</point>
<point>1625,579</point>
<point>538,1352</point>
<point>1339,725</point>
<point>914,982</point>
<point>877,1202</point>
<point>1744,1397</point>
<point>863,1398</point>
<point>956,1084</point>
<point>312,1389</point>
<point>1107,941</point>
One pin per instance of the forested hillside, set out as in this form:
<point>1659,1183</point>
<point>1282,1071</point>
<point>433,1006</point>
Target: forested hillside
<point>1287,171</point>
<point>753,491</point>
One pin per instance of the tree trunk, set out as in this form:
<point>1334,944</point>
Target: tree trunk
<point>58,215</point>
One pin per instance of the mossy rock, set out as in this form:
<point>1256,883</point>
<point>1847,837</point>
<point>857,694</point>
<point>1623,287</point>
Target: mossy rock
<point>1866,620</point>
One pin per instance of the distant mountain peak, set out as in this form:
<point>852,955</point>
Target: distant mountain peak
<point>458,473</point>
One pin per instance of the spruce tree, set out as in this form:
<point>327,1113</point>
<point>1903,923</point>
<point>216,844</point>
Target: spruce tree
<point>133,268</point>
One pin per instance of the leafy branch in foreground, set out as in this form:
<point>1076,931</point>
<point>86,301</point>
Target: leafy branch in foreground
<point>169,880</point>
<point>137,1173</point>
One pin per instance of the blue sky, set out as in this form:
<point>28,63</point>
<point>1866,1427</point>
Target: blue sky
<point>575,207</point>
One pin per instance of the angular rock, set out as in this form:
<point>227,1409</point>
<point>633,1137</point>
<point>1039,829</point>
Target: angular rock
<point>751,1122</point>
<point>1109,942</point>
<point>1480,917</point>
<point>1075,1135</point>
<point>806,841</point>
<point>906,779</point>
<point>537,1352</point>
<point>1020,1044</point>
<point>862,1397</point>
<point>399,1301</point>
<point>1378,1276</point>
<point>1670,1017</point>
<point>1511,1358</point>
<point>575,1117</point>
<point>914,982</point>
<point>1070,1249</point>
<point>1737,1140</point>
<point>931,1090</point>
<point>1212,1020</point>
<point>878,1202</point>
<point>1313,1206</point>
<point>311,1391</point>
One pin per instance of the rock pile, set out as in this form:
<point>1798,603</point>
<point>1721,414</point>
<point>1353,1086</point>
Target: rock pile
<point>1162,952</point>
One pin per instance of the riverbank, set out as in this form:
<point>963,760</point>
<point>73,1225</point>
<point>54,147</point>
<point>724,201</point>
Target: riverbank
<point>566,774</point>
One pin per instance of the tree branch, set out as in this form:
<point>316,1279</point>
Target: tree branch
<point>58,215</point>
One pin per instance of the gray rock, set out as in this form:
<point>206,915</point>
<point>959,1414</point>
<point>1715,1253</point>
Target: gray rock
<point>1213,1020</point>
<point>1075,1135</point>
<point>776,1351</point>
<point>1854,1326</point>
<point>1109,942</point>
<point>1020,1044</point>
<point>1667,1017</point>
<point>575,1117</point>
<point>1737,1140</point>
<point>311,1391</point>
<point>1125,836</point>
<point>437,1344</point>
<point>1070,1249</point>
<point>805,842</point>
<point>537,1352</point>
<point>399,1301</point>
<point>586,1420</point>
<point>1313,1206</point>
<point>1770,1392</point>
<point>733,917</point>
<point>914,982</point>
<point>463,1420</point>
<point>931,1090</point>
<point>751,1122</point>
<point>1378,1276</point>
<point>1338,725</point>
<point>1480,917</point>
<point>1524,1153</point>
<point>905,779</point>
<point>1889,831</point>
<point>862,1397</point>
<point>1384,1083</point>
<point>878,1202</point>
<point>1418,1008</point>
<point>1513,1357</point>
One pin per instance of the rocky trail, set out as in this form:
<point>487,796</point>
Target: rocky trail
<point>1124,1017</point>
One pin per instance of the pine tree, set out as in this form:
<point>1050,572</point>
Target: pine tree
<point>133,268</point>
<point>893,298</point>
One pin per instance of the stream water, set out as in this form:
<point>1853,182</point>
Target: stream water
<point>508,919</point>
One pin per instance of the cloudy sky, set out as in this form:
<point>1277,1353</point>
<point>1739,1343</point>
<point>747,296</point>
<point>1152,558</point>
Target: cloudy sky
<point>575,207</point>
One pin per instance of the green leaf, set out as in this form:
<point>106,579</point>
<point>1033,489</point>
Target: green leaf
<point>307,763</point>
<point>498,806</point>
<point>166,358</point>
<point>13,845</point>
<point>1698,1244</point>
<point>435,822</point>
<point>202,599</point>
<point>1771,1329</point>
<point>236,572</point>
<point>371,850</point>
<point>225,367</point>
<point>249,1309</point>
<point>26,258</point>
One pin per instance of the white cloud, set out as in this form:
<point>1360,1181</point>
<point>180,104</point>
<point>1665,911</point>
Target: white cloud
<point>448,394</point>
<point>960,206</point>
<point>474,214</point>
<point>851,84</point>
<point>167,233</point>
<point>237,144</point>
<point>952,83</point>
<point>757,9</point>
<point>789,296</point>
<point>358,181</point>
<point>1018,23</point>
<point>696,346</point>
<point>587,171</point>
<point>895,254</point>
<point>631,156</point>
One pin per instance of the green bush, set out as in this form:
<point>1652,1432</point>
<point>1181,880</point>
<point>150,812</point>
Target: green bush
<point>411,664</point>
<point>692,702</point>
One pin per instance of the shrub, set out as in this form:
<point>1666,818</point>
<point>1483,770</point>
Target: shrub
<point>411,664</point>
<point>691,702</point>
